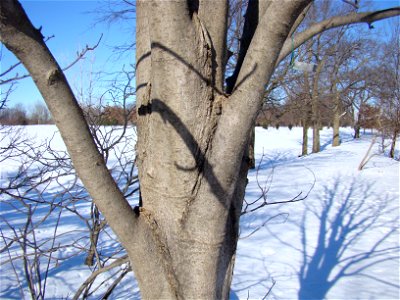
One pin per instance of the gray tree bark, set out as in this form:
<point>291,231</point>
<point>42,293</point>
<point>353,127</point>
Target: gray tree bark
<point>393,143</point>
<point>304,145</point>
<point>315,107</point>
<point>336,126</point>
<point>203,154</point>
<point>182,240</point>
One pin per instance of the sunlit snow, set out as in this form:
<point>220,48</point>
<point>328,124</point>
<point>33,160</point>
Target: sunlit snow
<point>340,242</point>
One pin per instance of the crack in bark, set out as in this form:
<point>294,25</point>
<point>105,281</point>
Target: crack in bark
<point>208,65</point>
<point>163,251</point>
<point>215,109</point>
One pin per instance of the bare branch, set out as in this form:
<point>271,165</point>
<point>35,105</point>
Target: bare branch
<point>50,80</point>
<point>92,277</point>
<point>367,17</point>
<point>79,55</point>
<point>354,4</point>
<point>82,53</point>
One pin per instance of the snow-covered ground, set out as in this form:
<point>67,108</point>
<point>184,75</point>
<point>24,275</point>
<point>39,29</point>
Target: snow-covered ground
<point>340,242</point>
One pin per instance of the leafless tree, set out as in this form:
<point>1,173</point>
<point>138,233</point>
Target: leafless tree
<point>29,193</point>
<point>16,115</point>
<point>40,114</point>
<point>181,239</point>
<point>388,87</point>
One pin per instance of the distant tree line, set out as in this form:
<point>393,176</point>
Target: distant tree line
<point>287,115</point>
<point>110,115</point>
<point>19,115</point>
<point>272,115</point>
<point>39,114</point>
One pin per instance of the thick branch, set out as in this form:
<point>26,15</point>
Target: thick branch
<point>300,19</point>
<point>26,42</point>
<point>214,15</point>
<point>240,109</point>
<point>169,22</point>
<point>367,17</point>
<point>143,49</point>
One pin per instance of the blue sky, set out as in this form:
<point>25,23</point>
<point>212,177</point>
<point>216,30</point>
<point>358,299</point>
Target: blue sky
<point>73,24</point>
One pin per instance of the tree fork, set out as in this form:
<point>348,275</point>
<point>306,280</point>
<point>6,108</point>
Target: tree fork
<point>190,146</point>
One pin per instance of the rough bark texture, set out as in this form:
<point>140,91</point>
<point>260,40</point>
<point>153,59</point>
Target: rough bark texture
<point>357,131</point>
<point>315,99</point>
<point>337,109</point>
<point>304,145</point>
<point>393,144</point>
<point>356,124</point>
<point>191,137</point>
<point>336,125</point>
<point>337,114</point>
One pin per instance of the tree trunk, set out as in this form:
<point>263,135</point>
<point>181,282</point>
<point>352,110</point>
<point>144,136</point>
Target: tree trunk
<point>192,170</point>
<point>195,215</point>
<point>336,111</point>
<point>336,124</point>
<point>182,239</point>
<point>393,145</point>
<point>304,147</point>
<point>357,132</point>
<point>316,139</point>
<point>316,146</point>
<point>315,109</point>
<point>357,127</point>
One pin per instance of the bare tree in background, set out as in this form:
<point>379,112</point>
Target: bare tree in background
<point>350,59</point>
<point>16,115</point>
<point>192,136</point>
<point>388,87</point>
<point>30,249</point>
<point>40,114</point>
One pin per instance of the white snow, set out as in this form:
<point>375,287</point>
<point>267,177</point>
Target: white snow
<point>341,242</point>
<point>361,208</point>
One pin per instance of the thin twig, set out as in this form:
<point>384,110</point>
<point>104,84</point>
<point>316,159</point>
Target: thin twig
<point>96,273</point>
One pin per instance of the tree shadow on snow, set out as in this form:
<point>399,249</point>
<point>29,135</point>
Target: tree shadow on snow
<point>272,159</point>
<point>349,217</point>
